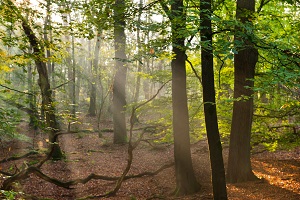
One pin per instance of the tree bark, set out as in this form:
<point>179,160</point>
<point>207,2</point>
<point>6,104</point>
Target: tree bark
<point>93,94</point>
<point>43,82</point>
<point>139,65</point>
<point>33,113</point>
<point>239,163</point>
<point>209,99</point>
<point>186,182</point>
<point>119,94</point>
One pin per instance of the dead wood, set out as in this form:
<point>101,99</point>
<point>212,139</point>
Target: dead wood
<point>18,157</point>
<point>131,145</point>
<point>35,170</point>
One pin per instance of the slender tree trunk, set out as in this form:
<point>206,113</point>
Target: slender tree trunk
<point>46,38</point>
<point>139,65</point>
<point>73,76</point>
<point>209,99</point>
<point>47,102</point>
<point>33,116</point>
<point>119,97</point>
<point>93,94</point>
<point>239,163</point>
<point>146,82</point>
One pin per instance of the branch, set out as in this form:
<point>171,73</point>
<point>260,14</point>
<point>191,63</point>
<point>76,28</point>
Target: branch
<point>220,31</point>
<point>153,97</point>
<point>63,84</point>
<point>132,146</point>
<point>194,70</point>
<point>27,93</point>
<point>166,9</point>
<point>295,127</point>
<point>19,106</point>
<point>262,4</point>
<point>35,170</point>
<point>5,173</point>
<point>18,157</point>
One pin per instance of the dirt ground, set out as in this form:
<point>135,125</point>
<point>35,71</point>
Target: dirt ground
<point>88,153</point>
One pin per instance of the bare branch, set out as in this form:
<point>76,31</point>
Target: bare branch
<point>27,93</point>
<point>194,70</point>
<point>62,84</point>
<point>18,157</point>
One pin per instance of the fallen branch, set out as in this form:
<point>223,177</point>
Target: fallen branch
<point>18,157</point>
<point>5,173</point>
<point>131,145</point>
<point>67,185</point>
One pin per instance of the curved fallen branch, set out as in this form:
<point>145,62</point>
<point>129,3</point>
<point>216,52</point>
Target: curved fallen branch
<point>5,173</point>
<point>18,157</point>
<point>131,145</point>
<point>24,173</point>
<point>34,170</point>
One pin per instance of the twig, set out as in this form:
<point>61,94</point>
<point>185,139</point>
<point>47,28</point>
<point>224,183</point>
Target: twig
<point>131,145</point>
<point>194,70</point>
<point>63,84</point>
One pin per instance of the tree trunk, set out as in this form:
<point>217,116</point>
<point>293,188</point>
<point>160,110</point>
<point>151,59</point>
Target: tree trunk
<point>33,115</point>
<point>47,103</point>
<point>209,99</point>
<point>239,164</point>
<point>73,77</point>
<point>186,182</point>
<point>93,94</point>
<point>119,98</point>
<point>139,65</point>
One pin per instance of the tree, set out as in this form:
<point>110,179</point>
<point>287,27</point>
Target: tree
<point>119,96</point>
<point>239,164</point>
<point>186,182</point>
<point>46,92</point>
<point>210,110</point>
<point>93,94</point>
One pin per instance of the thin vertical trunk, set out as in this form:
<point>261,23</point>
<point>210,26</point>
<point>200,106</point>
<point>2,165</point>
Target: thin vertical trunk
<point>33,116</point>
<point>119,98</point>
<point>139,65</point>
<point>146,83</point>
<point>239,163</point>
<point>73,76</point>
<point>93,94</point>
<point>46,38</point>
<point>52,72</point>
<point>209,99</point>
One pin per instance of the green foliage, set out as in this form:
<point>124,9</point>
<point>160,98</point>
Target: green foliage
<point>9,195</point>
<point>9,119</point>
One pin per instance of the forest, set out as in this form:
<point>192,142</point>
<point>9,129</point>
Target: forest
<point>149,99</point>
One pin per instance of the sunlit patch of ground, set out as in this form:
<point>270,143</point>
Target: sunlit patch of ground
<point>280,178</point>
<point>283,173</point>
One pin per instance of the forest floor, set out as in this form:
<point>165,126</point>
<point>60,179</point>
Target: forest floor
<point>88,153</point>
